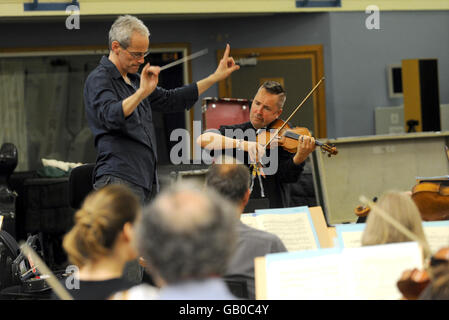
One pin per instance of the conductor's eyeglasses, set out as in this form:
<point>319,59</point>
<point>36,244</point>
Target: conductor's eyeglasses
<point>137,55</point>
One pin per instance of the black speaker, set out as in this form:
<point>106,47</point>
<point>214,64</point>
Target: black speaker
<point>421,94</point>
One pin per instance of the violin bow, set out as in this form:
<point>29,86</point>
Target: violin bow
<point>255,167</point>
<point>294,111</point>
<point>447,152</point>
<point>62,293</point>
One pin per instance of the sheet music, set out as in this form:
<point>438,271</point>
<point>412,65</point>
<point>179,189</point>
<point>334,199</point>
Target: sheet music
<point>294,226</point>
<point>372,272</point>
<point>356,273</point>
<point>352,239</point>
<point>437,234</point>
<point>350,235</point>
<point>295,230</point>
<point>315,277</point>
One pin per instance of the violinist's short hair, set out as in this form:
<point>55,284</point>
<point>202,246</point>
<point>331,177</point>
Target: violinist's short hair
<point>276,88</point>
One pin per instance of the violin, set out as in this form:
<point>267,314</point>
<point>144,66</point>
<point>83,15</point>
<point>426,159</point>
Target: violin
<point>414,281</point>
<point>288,137</point>
<point>362,211</point>
<point>432,200</point>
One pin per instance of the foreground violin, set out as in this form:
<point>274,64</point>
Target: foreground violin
<point>432,199</point>
<point>414,281</point>
<point>362,211</point>
<point>288,137</point>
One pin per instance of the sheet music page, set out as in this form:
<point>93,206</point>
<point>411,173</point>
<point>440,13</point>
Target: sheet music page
<point>290,276</point>
<point>371,272</point>
<point>350,235</point>
<point>251,220</point>
<point>352,239</point>
<point>364,273</point>
<point>437,234</point>
<point>294,229</point>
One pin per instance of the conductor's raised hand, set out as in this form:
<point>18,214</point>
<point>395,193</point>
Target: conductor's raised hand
<point>149,79</point>
<point>226,66</point>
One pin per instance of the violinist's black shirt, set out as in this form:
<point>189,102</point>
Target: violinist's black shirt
<point>273,185</point>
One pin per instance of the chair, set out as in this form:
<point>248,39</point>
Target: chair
<point>80,184</point>
<point>8,162</point>
<point>237,286</point>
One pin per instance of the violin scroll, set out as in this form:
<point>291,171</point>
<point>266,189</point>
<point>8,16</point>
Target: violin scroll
<point>327,147</point>
<point>362,211</point>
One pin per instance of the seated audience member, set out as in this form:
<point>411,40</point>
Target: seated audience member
<point>186,237</point>
<point>401,207</point>
<point>102,241</point>
<point>232,181</point>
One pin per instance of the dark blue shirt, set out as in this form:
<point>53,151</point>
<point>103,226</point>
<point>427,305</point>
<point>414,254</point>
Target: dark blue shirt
<point>126,147</point>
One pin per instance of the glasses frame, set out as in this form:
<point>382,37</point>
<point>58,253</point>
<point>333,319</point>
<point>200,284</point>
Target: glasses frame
<point>136,55</point>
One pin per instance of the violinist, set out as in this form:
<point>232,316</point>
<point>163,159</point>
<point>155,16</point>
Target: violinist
<point>266,108</point>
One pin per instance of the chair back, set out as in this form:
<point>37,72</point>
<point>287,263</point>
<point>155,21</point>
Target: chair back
<point>80,184</point>
<point>238,287</point>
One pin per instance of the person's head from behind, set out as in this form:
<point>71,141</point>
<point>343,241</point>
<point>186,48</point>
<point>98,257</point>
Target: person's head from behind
<point>231,179</point>
<point>186,234</point>
<point>267,104</point>
<point>104,227</point>
<point>401,207</point>
<point>129,43</point>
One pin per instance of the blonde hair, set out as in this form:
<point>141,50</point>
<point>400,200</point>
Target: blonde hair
<point>403,209</point>
<point>98,223</point>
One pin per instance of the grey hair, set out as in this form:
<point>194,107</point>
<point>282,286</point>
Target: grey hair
<point>187,233</point>
<point>276,88</point>
<point>123,28</point>
<point>403,209</point>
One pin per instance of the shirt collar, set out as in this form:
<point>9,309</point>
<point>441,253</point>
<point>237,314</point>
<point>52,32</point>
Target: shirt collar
<point>110,67</point>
